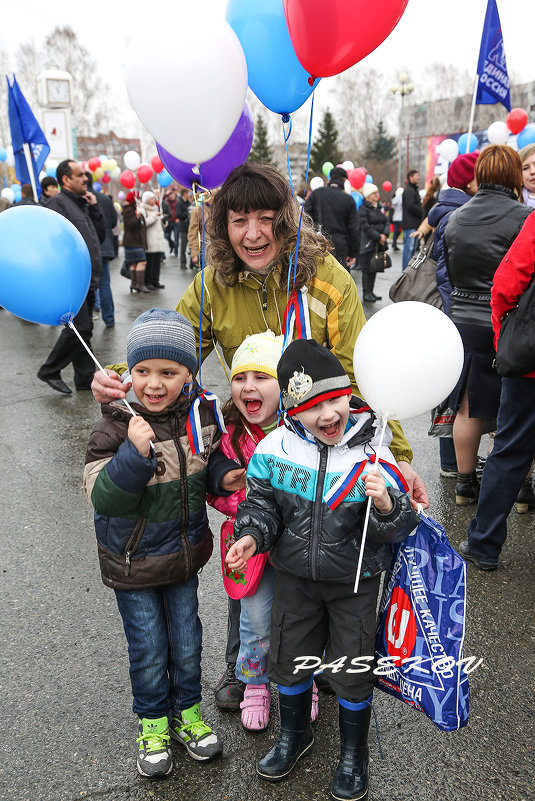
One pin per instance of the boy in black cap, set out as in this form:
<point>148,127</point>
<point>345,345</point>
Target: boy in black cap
<point>307,488</point>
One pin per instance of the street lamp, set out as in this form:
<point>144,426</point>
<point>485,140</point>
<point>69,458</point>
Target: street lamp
<point>404,87</point>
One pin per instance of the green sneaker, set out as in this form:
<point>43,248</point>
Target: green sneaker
<point>154,754</point>
<point>189,728</point>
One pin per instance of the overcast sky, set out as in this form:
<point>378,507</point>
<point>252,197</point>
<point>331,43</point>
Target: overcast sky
<point>447,31</point>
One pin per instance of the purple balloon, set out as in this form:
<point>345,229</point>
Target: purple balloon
<point>214,172</point>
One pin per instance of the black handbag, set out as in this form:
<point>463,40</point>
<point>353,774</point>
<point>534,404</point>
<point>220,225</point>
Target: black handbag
<point>125,270</point>
<point>418,281</point>
<point>515,355</point>
<point>380,261</point>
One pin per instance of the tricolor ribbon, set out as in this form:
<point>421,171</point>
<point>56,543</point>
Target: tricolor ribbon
<point>296,316</point>
<point>193,423</point>
<point>347,480</point>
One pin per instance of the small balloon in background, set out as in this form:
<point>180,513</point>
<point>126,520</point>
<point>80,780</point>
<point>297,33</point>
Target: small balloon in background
<point>156,164</point>
<point>44,277</point>
<point>10,156</point>
<point>8,194</point>
<point>448,150</point>
<point>115,173</point>
<point>526,136</point>
<point>368,179</point>
<point>132,160</point>
<point>96,186</point>
<point>51,172</point>
<point>112,165</point>
<point>516,120</point>
<point>121,195</point>
<point>98,173</point>
<point>93,163</point>
<point>3,153</point>
<point>462,142</point>
<point>357,177</point>
<point>17,191</point>
<point>128,179</point>
<point>316,183</point>
<point>144,173</point>
<point>391,388</point>
<point>357,197</point>
<point>348,166</point>
<point>387,186</point>
<point>347,186</point>
<point>498,133</point>
<point>164,179</point>
<point>106,178</point>
<point>326,168</point>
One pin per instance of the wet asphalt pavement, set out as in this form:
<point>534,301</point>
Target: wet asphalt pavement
<point>68,730</point>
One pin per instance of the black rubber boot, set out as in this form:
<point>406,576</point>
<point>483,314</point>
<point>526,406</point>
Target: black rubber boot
<point>466,489</point>
<point>295,737</point>
<point>525,498</point>
<point>350,781</point>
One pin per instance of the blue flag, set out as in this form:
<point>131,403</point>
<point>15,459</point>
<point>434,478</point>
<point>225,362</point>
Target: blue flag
<point>493,84</point>
<point>25,130</point>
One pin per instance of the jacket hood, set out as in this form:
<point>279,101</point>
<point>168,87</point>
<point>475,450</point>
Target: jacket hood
<point>448,200</point>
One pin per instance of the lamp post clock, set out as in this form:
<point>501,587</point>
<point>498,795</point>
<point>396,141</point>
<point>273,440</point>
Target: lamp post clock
<point>54,89</point>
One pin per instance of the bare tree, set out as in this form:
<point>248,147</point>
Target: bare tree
<point>437,81</point>
<point>30,61</point>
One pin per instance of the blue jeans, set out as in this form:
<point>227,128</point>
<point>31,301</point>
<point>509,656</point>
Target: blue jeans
<point>255,620</point>
<point>505,469</point>
<point>106,299</point>
<point>409,246</point>
<point>164,637</point>
<point>448,460</point>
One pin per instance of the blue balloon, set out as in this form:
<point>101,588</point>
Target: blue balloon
<point>526,136</point>
<point>462,142</point>
<point>357,197</point>
<point>3,154</point>
<point>96,186</point>
<point>51,172</point>
<point>45,276</point>
<point>368,179</point>
<point>275,74</point>
<point>164,179</point>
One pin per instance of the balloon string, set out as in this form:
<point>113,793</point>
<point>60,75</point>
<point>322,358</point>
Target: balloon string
<point>375,469</point>
<point>202,289</point>
<point>100,367</point>
<point>293,257</point>
<point>286,118</point>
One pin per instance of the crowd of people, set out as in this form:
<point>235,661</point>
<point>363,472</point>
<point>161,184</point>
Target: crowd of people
<point>294,426</point>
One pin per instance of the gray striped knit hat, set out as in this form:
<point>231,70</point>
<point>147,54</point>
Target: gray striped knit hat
<point>161,334</point>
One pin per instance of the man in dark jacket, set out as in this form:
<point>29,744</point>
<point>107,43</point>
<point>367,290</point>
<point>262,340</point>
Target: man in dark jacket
<point>182,215</point>
<point>104,298</point>
<point>335,213</point>
<point>412,216</point>
<point>27,198</point>
<point>79,206</point>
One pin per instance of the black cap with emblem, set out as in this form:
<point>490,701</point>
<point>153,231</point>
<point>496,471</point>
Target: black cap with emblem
<point>308,373</point>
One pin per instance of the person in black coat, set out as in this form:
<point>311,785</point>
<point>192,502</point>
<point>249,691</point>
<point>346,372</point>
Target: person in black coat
<point>374,228</point>
<point>412,216</point>
<point>335,213</point>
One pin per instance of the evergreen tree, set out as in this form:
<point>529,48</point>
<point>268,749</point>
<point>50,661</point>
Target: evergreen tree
<point>261,151</point>
<point>381,146</point>
<point>325,146</point>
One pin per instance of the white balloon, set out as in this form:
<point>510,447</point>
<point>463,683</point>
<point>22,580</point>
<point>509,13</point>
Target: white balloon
<point>448,149</point>
<point>189,103</point>
<point>498,133</point>
<point>347,186</point>
<point>131,159</point>
<point>115,173</point>
<point>316,183</point>
<point>10,156</point>
<point>8,194</point>
<point>348,165</point>
<point>407,359</point>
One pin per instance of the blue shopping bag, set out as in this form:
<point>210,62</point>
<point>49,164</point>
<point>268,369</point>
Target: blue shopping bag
<point>420,631</point>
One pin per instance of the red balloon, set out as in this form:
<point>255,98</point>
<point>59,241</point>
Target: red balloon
<point>105,178</point>
<point>329,36</point>
<point>128,179</point>
<point>157,164</point>
<point>516,120</point>
<point>387,186</point>
<point>93,163</point>
<point>144,173</point>
<point>357,177</point>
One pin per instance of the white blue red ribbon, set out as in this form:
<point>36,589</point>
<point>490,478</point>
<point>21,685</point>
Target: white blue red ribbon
<point>347,480</point>
<point>193,423</point>
<point>297,316</point>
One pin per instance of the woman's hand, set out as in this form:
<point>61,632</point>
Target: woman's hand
<point>107,386</point>
<point>417,490</point>
<point>239,553</point>
<point>140,435</point>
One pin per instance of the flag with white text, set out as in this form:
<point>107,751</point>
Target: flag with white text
<point>493,83</point>
<point>25,130</point>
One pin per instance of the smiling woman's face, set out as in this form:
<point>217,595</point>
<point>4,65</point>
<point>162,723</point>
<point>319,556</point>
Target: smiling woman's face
<point>528,173</point>
<point>251,236</point>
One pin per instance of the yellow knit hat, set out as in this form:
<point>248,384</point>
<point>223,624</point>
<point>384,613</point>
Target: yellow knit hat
<point>258,352</point>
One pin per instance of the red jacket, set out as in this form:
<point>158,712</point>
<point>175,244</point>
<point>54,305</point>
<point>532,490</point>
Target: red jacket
<point>513,276</point>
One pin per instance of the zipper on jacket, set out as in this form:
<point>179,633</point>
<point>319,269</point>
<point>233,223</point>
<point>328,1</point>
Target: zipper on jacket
<point>184,499</point>
<point>317,513</point>
<point>264,296</point>
<point>133,543</point>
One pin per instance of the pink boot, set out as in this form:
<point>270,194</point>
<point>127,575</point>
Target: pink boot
<point>255,707</point>
<point>315,708</point>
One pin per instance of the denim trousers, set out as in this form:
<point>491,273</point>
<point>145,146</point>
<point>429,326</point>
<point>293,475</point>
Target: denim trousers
<point>164,635</point>
<point>505,469</point>
<point>409,246</point>
<point>255,620</point>
<point>104,291</point>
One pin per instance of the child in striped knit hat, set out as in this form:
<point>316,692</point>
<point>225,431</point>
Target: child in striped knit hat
<point>146,476</point>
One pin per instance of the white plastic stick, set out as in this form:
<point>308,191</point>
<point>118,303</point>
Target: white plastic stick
<point>375,468</point>
<point>100,367</point>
